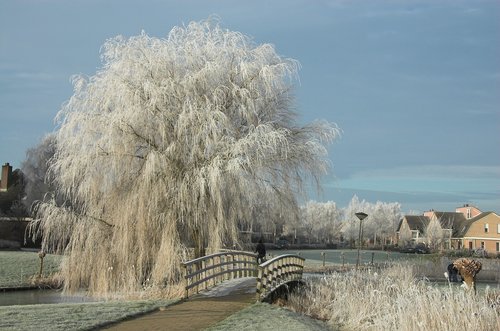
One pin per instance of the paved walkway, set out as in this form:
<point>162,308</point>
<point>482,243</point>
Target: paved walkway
<point>198,312</point>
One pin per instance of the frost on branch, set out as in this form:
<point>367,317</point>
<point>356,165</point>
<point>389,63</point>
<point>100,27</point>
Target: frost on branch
<point>168,146</point>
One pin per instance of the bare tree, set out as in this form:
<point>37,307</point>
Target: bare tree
<point>34,168</point>
<point>321,221</point>
<point>405,235</point>
<point>350,228</point>
<point>383,221</point>
<point>381,224</point>
<point>434,233</point>
<point>167,147</point>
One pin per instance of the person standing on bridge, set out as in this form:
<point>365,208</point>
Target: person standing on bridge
<point>260,249</point>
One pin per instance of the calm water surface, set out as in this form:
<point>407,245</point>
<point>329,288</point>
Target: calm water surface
<point>34,297</point>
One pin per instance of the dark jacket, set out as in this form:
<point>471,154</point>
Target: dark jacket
<point>260,249</point>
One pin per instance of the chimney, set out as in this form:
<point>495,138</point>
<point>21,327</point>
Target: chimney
<point>6,176</point>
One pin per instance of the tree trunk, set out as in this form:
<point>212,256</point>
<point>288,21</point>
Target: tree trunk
<point>199,243</point>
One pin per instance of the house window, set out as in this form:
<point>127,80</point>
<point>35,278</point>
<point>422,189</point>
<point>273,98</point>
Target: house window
<point>498,246</point>
<point>486,227</point>
<point>482,244</point>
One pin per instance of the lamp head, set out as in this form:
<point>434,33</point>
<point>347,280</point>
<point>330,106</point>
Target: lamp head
<point>361,215</point>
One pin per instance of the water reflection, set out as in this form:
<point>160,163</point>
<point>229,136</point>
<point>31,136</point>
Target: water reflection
<point>33,297</point>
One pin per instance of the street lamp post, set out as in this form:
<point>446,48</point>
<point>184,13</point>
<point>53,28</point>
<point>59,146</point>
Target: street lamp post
<point>361,217</point>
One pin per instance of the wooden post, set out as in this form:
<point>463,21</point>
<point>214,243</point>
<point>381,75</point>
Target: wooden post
<point>41,255</point>
<point>185,281</point>
<point>197,278</point>
<point>204,273</point>
<point>212,271</point>
<point>234,271</point>
<point>219,268</point>
<point>242,265</point>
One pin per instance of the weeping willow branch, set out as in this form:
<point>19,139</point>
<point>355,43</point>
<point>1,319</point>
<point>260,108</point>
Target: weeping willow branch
<point>170,146</point>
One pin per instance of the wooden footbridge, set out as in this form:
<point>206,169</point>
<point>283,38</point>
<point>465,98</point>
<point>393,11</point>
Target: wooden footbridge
<point>207,271</point>
<point>202,275</point>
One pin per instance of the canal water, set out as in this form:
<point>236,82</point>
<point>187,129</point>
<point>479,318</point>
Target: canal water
<point>34,297</point>
<point>347,256</point>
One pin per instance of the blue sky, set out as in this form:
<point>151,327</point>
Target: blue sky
<point>414,85</point>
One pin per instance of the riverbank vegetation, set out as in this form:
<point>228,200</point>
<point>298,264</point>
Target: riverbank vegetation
<point>395,299</point>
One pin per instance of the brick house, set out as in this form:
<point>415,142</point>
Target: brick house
<point>466,228</point>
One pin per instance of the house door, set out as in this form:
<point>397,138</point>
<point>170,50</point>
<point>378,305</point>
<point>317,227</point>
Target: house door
<point>470,244</point>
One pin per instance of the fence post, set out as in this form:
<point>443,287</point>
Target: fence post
<point>204,274</point>
<point>185,281</point>
<point>235,265</point>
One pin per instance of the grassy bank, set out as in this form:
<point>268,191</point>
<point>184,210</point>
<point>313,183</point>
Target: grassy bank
<point>19,267</point>
<point>394,299</point>
<point>82,316</point>
<point>264,317</point>
<point>17,270</point>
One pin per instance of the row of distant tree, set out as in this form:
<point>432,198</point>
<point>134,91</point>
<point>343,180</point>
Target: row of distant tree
<point>326,223</point>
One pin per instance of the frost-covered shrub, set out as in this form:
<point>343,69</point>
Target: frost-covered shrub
<point>393,299</point>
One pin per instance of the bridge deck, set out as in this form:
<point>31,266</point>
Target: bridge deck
<point>198,312</point>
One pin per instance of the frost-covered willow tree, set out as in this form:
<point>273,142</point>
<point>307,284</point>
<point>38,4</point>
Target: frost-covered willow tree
<point>166,147</point>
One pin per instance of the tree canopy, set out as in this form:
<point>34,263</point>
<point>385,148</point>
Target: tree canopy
<point>34,168</point>
<point>168,146</point>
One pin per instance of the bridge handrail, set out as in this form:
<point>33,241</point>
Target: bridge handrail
<point>277,271</point>
<point>215,268</point>
<point>207,271</point>
<point>225,252</point>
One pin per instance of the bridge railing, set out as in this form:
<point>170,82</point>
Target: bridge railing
<point>207,271</point>
<point>277,271</point>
